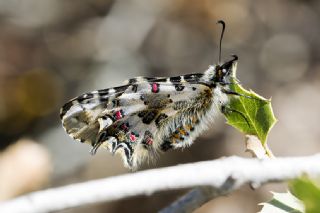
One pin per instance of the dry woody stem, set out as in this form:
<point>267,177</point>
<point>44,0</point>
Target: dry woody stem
<point>222,175</point>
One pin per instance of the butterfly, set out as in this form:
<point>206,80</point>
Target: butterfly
<point>146,116</point>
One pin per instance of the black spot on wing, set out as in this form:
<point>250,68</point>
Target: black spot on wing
<point>148,116</point>
<point>160,80</point>
<point>115,102</point>
<point>65,109</point>
<point>192,78</point>
<point>103,92</point>
<point>83,98</point>
<point>103,95</point>
<point>151,80</point>
<point>134,88</point>
<point>117,95</point>
<point>120,88</point>
<point>142,113</point>
<point>179,87</point>
<point>103,99</point>
<point>132,81</point>
<point>160,118</point>
<point>175,79</point>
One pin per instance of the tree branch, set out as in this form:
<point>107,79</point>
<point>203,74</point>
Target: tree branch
<point>196,198</point>
<point>223,175</point>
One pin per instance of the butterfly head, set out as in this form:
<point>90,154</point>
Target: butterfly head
<point>223,73</point>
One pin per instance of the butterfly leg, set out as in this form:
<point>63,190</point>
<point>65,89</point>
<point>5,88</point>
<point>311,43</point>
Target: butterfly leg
<point>225,110</point>
<point>229,92</point>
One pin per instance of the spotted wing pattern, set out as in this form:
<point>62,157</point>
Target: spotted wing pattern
<point>143,117</point>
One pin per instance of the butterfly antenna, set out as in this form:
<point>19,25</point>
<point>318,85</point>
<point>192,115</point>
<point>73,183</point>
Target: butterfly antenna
<point>221,36</point>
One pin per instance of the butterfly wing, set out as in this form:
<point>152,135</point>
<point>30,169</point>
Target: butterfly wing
<point>80,116</point>
<point>139,118</point>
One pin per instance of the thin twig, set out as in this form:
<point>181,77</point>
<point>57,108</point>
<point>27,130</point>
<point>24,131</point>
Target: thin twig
<point>197,197</point>
<point>217,174</point>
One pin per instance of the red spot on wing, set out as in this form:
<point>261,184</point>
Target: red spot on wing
<point>118,115</point>
<point>149,141</point>
<point>155,87</point>
<point>133,137</point>
<point>124,127</point>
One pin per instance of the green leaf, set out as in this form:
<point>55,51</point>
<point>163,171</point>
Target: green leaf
<point>307,191</point>
<point>283,203</point>
<point>250,113</point>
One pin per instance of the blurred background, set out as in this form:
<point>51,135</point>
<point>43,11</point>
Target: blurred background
<point>54,50</point>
